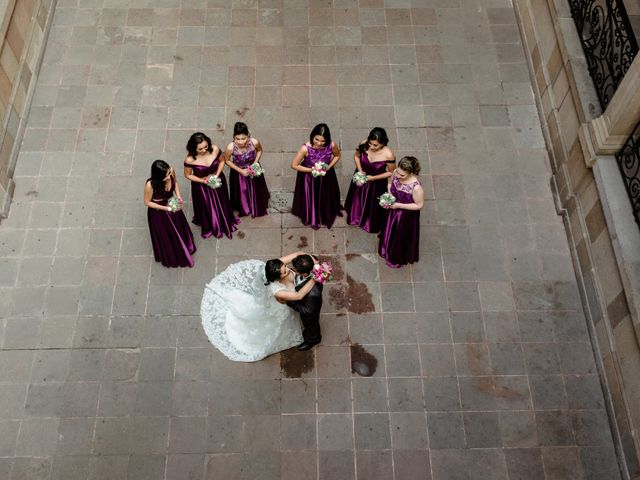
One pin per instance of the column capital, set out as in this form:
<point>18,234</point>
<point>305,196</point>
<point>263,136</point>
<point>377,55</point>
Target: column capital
<point>611,130</point>
<point>603,140</point>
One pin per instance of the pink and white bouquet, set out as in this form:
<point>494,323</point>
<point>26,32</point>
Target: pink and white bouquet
<point>359,178</point>
<point>214,181</point>
<point>386,200</point>
<point>255,170</point>
<point>319,169</point>
<point>174,204</point>
<point>322,272</point>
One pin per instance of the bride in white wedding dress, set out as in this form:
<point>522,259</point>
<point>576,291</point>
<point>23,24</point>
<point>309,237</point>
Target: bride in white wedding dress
<point>244,311</point>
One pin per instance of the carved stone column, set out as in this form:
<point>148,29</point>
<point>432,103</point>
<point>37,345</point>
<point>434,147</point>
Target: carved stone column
<point>611,130</point>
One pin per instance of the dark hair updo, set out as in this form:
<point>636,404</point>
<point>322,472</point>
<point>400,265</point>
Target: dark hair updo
<point>240,128</point>
<point>378,134</point>
<point>409,165</point>
<point>159,170</point>
<point>195,140</point>
<point>272,270</point>
<point>323,130</point>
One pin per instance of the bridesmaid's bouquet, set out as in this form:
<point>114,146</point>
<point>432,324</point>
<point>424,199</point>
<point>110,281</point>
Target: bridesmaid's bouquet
<point>386,200</point>
<point>322,272</point>
<point>255,170</point>
<point>214,181</point>
<point>319,169</point>
<point>359,178</point>
<point>174,204</point>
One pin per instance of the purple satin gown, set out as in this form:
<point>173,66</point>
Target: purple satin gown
<point>399,239</point>
<point>316,200</point>
<point>211,207</point>
<point>361,204</point>
<point>171,236</point>
<point>249,196</point>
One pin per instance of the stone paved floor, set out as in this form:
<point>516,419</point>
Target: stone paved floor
<point>484,366</point>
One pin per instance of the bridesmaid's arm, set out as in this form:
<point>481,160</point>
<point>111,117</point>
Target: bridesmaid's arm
<point>335,150</point>
<point>188,173</point>
<point>148,195</point>
<point>177,185</point>
<point>356,160</point>
<point>297,160</point>
<point>228,158</point>
<point>418,201</point>
<point>258,146</point>
<point>222,161</point>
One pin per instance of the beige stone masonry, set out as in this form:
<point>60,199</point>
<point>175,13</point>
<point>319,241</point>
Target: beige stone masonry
<point>605,241</point>
<point>23,27</point>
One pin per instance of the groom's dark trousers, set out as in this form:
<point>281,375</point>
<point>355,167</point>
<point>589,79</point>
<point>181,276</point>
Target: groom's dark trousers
<point>309,308</point>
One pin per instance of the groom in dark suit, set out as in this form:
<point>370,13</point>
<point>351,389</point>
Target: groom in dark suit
<point>309,307</point>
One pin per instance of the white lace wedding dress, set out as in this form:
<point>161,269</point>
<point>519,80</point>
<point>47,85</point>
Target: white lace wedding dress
<point>242,318</point>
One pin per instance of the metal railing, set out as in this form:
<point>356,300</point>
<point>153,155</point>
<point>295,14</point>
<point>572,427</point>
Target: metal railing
<point>628,159</point>
<point>607,40</point>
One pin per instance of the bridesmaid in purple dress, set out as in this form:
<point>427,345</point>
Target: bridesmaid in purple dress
<point>377,162</point>
<point>211,206</point>
<point>171,236</point>
<point>316,200</point>
<point>249,195</point>
<point>400,235</point>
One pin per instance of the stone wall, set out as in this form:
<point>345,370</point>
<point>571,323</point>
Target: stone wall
<point>567,102</point>
<point>23,28</point>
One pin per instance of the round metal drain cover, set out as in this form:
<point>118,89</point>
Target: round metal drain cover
<point>281,201</point>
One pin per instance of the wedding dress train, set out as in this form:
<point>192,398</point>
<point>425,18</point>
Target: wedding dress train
<point>241,316</point>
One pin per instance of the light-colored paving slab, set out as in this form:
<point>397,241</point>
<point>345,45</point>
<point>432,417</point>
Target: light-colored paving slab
<point>483,366</point>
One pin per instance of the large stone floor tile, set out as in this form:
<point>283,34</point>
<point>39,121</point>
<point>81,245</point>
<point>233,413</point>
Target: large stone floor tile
<point>473,362</point>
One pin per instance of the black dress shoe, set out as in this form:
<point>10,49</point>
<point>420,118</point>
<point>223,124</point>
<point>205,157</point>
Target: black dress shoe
<point>307,345</point>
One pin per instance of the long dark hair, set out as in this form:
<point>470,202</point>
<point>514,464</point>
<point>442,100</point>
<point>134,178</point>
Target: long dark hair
<point>378,134</point>
<point>195,140</point>
<point>240,128</point>
<point>323,130</point>
<point>159,170</point>
<point>409,165</point>
<point>272,270</point>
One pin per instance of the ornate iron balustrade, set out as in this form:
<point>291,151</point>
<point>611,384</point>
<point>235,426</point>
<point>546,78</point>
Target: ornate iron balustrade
<point>628,159</point>
<point>607,40</point>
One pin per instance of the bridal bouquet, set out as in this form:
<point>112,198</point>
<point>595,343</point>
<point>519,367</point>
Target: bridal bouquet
<point>319,169</point>
<point>386,200</point>
<point>255,170</point>
<point>214,181</point>
<point>359,178</point>
<point>322,272</point>
<point>174,204</point>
